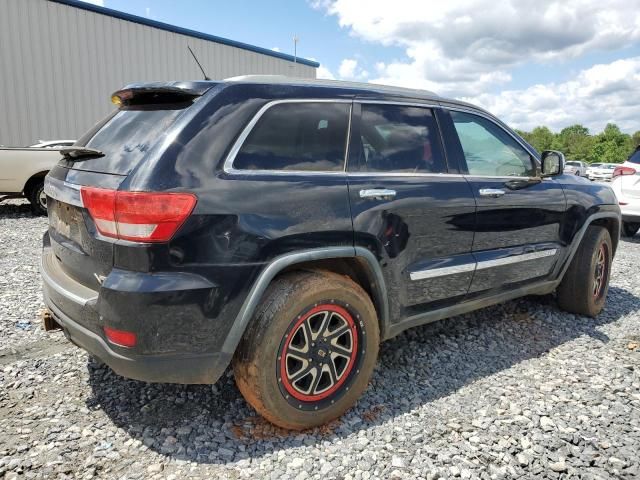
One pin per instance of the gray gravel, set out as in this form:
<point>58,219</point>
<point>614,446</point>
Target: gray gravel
<point>516,390</point>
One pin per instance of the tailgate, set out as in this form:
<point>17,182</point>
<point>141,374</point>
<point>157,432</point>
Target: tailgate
<point>116,146</point>
<point>80,250</point>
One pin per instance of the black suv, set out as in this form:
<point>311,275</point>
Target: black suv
<point>286,227</point>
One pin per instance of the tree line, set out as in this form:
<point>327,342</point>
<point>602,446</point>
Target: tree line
<point>609,146</point>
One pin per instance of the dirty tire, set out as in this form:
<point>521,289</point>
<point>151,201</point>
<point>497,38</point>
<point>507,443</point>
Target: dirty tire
<point>584,288</point>
<point>630,229</point>
<point>34,195</point>
<point>268,368</point>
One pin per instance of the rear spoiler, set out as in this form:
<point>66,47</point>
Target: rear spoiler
<point>159,93</point>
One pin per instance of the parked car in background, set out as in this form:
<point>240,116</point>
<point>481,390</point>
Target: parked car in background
<point>602,172</point>
<point>53,143</point>
<point>626,185</point>
<point>288,226</point>
<point>575,167</point>
<point>590,168</point>
<point>22,171</point>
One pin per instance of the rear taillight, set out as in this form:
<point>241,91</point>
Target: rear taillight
<point>137,216</point>
<point>619,171</point>
<point>121,338</point>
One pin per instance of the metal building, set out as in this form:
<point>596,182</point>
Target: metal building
<point>60,60</point>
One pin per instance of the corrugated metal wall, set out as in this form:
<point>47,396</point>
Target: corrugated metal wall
<point>59,65</point>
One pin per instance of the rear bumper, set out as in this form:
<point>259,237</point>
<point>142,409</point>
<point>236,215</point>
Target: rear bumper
<point>79,312</point>
<point>630,207</point>
<point>206,368</point>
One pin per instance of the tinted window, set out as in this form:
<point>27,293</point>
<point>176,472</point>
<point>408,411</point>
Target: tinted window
<point>489,150</point>
<point>635,157</point>
<point>297,136</point>
<point>125,138</point>
<point>399,138</point>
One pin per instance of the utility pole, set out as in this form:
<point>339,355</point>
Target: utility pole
<point>295,48</point>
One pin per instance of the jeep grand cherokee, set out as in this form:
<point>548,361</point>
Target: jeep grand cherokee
<point>286,227</point>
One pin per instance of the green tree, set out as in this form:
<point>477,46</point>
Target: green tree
<point>611,146</point>
<point>541,138</point>
<point>575,142</point>
<point>635,139</point>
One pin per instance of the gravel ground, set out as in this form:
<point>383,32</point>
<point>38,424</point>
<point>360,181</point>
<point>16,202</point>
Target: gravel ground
<point>516,390</point>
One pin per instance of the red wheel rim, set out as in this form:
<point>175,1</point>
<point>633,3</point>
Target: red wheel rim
<point>318,353</point>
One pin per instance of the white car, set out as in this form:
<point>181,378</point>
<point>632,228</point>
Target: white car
<point>591,168</point>
<point>626,185</point>
<point>601,171</point>
<point>575,167</point>
<point>22,172</point>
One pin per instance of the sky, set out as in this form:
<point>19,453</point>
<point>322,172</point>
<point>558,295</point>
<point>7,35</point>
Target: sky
<point>530,62</point>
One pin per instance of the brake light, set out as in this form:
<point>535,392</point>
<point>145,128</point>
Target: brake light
<point>121,338</point>
<point>619,171</point>
<point>137,216</point>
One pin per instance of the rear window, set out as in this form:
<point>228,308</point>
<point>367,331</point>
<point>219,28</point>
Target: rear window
<point>635,157</point>
<point>308,136</point>
<point>125,138</point>
<point>573,164</point>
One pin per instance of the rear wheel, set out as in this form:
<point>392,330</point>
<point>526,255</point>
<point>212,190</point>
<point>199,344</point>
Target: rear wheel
<point>310,350</point>
<point>630,229</point>
<point>584,288</point>
<point>37,197</point>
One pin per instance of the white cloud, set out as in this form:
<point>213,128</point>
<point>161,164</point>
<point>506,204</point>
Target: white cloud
<point>350,70</point>
<point>324,72</point>
<point>276,49</point>
<point>461,47</point>
<point>594,97</point>
<point>95,2</point>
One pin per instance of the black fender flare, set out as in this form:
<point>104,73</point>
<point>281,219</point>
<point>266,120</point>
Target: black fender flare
<point>562,267</point>
<point>287,260</point>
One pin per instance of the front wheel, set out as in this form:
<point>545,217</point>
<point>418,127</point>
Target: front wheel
<point>310,350</point>
<point>630,229</point>
<point>584,288</point>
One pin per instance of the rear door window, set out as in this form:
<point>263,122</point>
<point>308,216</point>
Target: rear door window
<point>300,136</point>
<point>399,138</point>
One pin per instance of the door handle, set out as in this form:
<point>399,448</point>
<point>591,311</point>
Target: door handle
<point>491,192</point>
<point>377,193</point>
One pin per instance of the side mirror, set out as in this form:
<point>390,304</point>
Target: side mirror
<point>552,163</point>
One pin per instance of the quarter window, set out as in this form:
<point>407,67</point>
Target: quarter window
<point>489,150</point>
<point>309,136</point>
<point>397,138</point>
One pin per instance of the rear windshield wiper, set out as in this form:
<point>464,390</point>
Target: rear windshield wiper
<point>77,154</point>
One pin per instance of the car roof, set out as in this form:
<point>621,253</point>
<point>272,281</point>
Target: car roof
<point>368,90</point>
<point>321,82</point>
<point>357,87</point>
